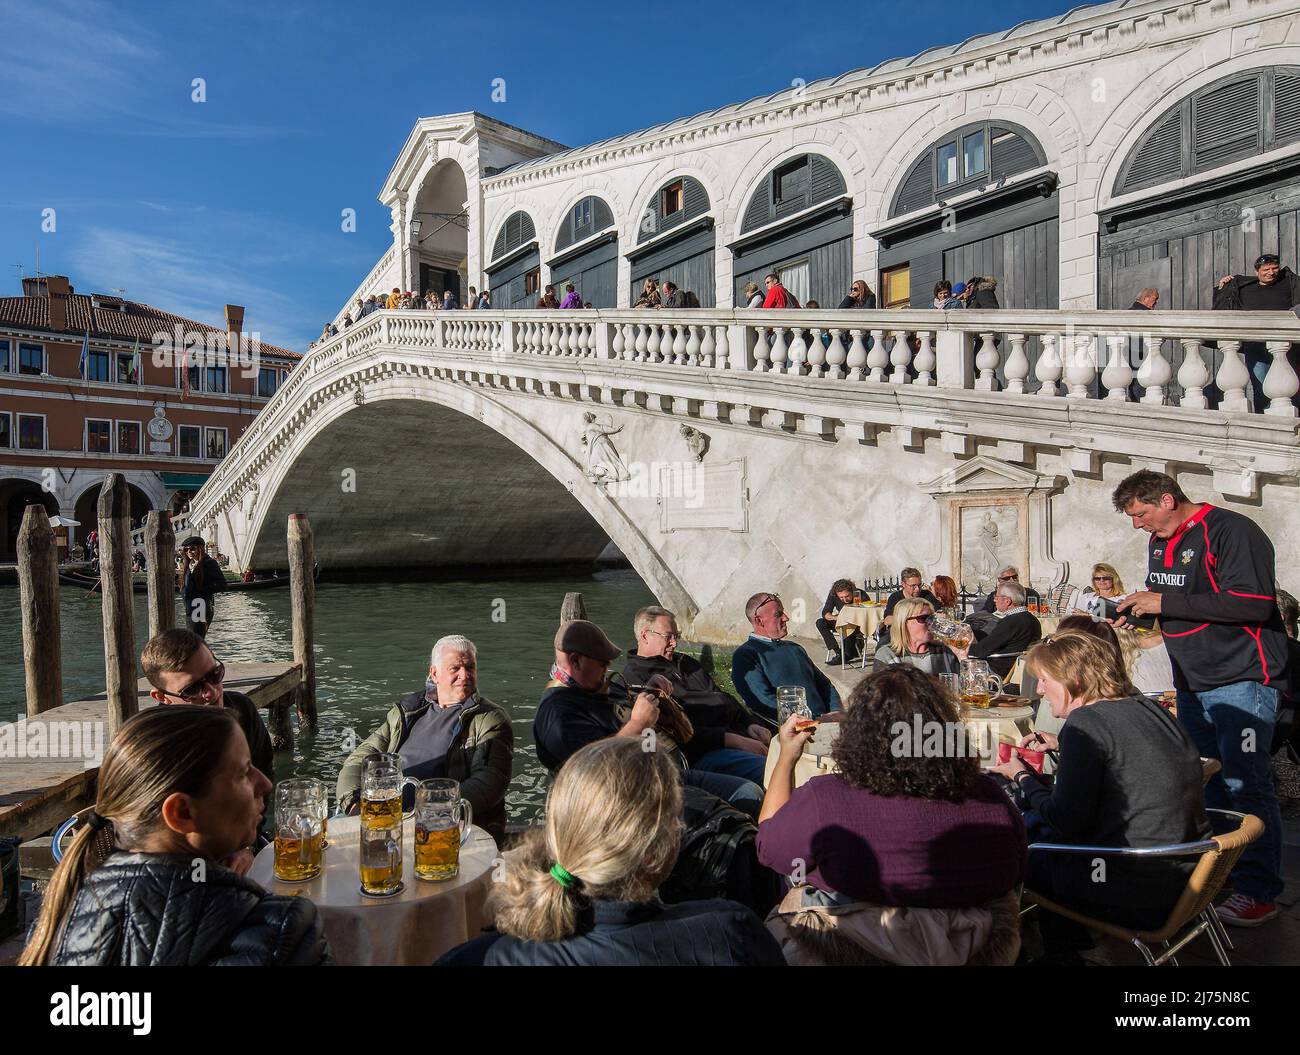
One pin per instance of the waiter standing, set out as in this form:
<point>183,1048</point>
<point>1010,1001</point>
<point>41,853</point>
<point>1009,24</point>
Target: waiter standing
<point>1210,580</point>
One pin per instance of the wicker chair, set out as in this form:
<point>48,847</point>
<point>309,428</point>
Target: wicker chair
<point>1059,598</point>
<point>1193,913</point>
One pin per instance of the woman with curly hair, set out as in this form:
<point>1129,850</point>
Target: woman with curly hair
<point>907,821</point>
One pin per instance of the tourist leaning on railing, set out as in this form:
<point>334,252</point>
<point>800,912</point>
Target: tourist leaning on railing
<point>1128,776</point>
<point>581,891</point>
<point>446,730</point>
<point>898,825</point>
<point>177,793</point>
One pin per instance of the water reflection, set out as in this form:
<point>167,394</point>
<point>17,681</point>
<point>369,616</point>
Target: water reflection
<point>372,647</point>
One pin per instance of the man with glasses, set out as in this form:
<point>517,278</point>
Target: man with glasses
<point>767,660</point>
<point>1009,574</point>
<point>909,586</point>
<point>1012,630</point>
<point>727,738</point>
<point>182,669</point>
<point>1271,288</point>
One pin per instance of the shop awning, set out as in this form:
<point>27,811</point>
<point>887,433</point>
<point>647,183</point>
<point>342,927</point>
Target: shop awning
<point>184,481</point>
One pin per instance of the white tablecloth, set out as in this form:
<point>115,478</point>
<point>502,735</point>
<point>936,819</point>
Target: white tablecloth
<point>414,927</point>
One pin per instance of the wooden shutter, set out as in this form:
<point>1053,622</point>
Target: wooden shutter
<point>827,183</point>
<point>1225,123</point>
<point>918,187</point>
<point>1010,153</point>
<point>1286,107</point>
<point>1159,157</point>
<point>760,207</point>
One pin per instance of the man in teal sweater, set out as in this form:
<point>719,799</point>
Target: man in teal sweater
<point>766,660</point>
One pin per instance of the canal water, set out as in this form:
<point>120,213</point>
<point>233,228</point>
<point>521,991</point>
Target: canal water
<point>372,647</point>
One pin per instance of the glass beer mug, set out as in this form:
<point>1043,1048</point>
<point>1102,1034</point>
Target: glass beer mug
<point>791,699</point>
<point>978,684</point>
<point>442,818</point>
<point>382,783</point>
<point>299,829</point>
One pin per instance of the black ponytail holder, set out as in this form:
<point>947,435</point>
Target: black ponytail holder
<point>96,821</point>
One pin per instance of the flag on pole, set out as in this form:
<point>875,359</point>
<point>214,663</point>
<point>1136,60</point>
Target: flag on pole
<point>85,355</point>
<point>135,363</point>
<point>185,373</point>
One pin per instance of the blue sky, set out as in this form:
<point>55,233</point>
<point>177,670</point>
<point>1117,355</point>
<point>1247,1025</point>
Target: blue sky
<point>238,199</point>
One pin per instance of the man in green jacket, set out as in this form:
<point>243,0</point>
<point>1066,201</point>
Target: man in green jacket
<point>445,730</point>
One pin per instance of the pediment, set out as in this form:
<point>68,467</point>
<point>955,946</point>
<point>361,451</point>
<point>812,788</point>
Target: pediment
<point>983,474</point>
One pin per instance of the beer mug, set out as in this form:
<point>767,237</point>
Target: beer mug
<point>978,683</point>
<point>442,818</point>
<point>951,685</point>
<point>382,783</point>
<point>791,699</point>
<point>299,829</point>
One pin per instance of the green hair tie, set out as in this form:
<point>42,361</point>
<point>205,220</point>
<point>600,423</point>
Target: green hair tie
<point>562,877</point>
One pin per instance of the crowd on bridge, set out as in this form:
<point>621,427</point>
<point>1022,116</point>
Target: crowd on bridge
<point>678,829</point>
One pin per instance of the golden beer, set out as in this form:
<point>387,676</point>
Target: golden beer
<point>437,852</point>
<point>381,857</point>
<point>298,857</point>
<point>974,698</point>
<point>381,813</point>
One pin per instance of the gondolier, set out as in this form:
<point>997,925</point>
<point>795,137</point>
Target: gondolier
<point>204,579</point>
<point>1210,580</point>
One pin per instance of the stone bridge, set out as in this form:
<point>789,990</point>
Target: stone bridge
<point>727,451</point>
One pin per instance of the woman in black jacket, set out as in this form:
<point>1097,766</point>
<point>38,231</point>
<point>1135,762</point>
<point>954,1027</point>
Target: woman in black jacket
<point>582,891</point>
<point>204,579</point>
<point>1128,776</point>
<point>859,296</point>
<point>178,793</point>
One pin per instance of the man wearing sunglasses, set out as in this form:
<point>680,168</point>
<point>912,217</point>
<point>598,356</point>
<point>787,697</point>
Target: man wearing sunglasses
<point>767,660</point>
<point>1271,288</point>
<point>182,669</point>
<point>1008,574</point>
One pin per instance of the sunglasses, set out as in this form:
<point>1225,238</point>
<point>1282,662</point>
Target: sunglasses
<point>670,636</point>
<point>919,618</point>
<point>194,691</point>
<point>1103,578</point>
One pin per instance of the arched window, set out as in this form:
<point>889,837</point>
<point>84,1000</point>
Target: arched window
<point>791,187</point>
<point>589,217</point>
<point>676,202</point>
<point>970,157</point>
<point>516,231</point>
<point>1236,117</point>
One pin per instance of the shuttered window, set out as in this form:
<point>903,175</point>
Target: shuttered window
<point>963,160</point>
<point>1233,118</point>
<point>791,187</point>
<point>589,217</point>
<point>675,203</point>
<point>516,231</point>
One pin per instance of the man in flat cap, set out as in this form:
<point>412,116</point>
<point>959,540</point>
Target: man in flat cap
<point>580,705</point>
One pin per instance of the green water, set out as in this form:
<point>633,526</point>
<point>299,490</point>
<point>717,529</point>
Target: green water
<point>372,647</point>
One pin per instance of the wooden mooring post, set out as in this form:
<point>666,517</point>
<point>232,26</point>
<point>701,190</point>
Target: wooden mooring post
<point>118,603</point>
<point>38,589</point>
<point>302,591</point>
<point>160,570</point>
<point>574,607</point>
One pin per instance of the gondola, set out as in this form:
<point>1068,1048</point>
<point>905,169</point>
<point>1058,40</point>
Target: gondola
<point>139,585</point>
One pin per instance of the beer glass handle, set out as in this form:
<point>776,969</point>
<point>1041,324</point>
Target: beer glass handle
<point>995,684</point>
<point>466,818</point>
<point>408,782</point>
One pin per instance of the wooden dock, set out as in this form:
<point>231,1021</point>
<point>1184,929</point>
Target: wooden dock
<point>36,795</point>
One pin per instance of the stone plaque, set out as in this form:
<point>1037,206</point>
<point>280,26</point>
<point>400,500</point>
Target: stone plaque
<point>694,495</point>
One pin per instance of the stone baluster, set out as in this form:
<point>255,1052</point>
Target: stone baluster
<point>816,353</point>
<point>798,351</point>
<point>587,342</point>
<point>878,357</point>
<point>780,354</point>
<point>1280,383</point>
<point>925,361</point>
<point>618,344</point>
<point>723,354</point>
<point>986,362</point>
<point>1193,375</point>
<point>857,358</point>
<point>1017,368</point>
<point>652,346</point>
<point>708,348</point>
<point>1118,375</point>
<point>835,356</point>
<point>1082,367</point>
<point>1233,378</point>
<point>693,346</point>
<point>679,346</point>
<point>900,357</point>
<point>642,344</point>
<point>1154,373</point>
<point>1049,368</point>
<point>762,350</point>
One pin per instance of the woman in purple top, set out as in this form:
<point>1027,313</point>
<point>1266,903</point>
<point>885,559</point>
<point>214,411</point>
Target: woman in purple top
<point>572,298</point>
<point>908,819</point>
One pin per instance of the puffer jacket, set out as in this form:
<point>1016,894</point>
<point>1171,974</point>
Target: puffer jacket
<point>985,294</point>
<point>481,756</point>
<point>139,910</point>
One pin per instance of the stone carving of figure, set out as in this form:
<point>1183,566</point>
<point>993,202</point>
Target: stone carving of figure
<point>989,547</point>
<point>604,464</point>
<point>697,442</point>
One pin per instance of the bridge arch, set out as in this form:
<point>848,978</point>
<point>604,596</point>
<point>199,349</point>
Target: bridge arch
<point>531,502</point>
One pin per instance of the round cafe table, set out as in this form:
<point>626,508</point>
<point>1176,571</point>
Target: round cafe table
<point>866,617</point>
<point>411,928</point>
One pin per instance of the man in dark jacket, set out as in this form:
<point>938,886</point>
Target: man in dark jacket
<point>445,730</point>
<point>982,292</point>
<point>1147,299</point>
<point>673,297</point>
<point>909,585</point>
<point>1271,288</point>
<point>840,595</point>
<point>580,706</point>
<point>204,579</point>
<point>727,737</point>
<point>1014,630</point>
<point>1009,574</point>
<point>182,669</point>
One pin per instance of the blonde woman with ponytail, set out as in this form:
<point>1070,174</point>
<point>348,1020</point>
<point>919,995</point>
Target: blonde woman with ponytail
<point>177,794</point>
<point>582,891</point>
